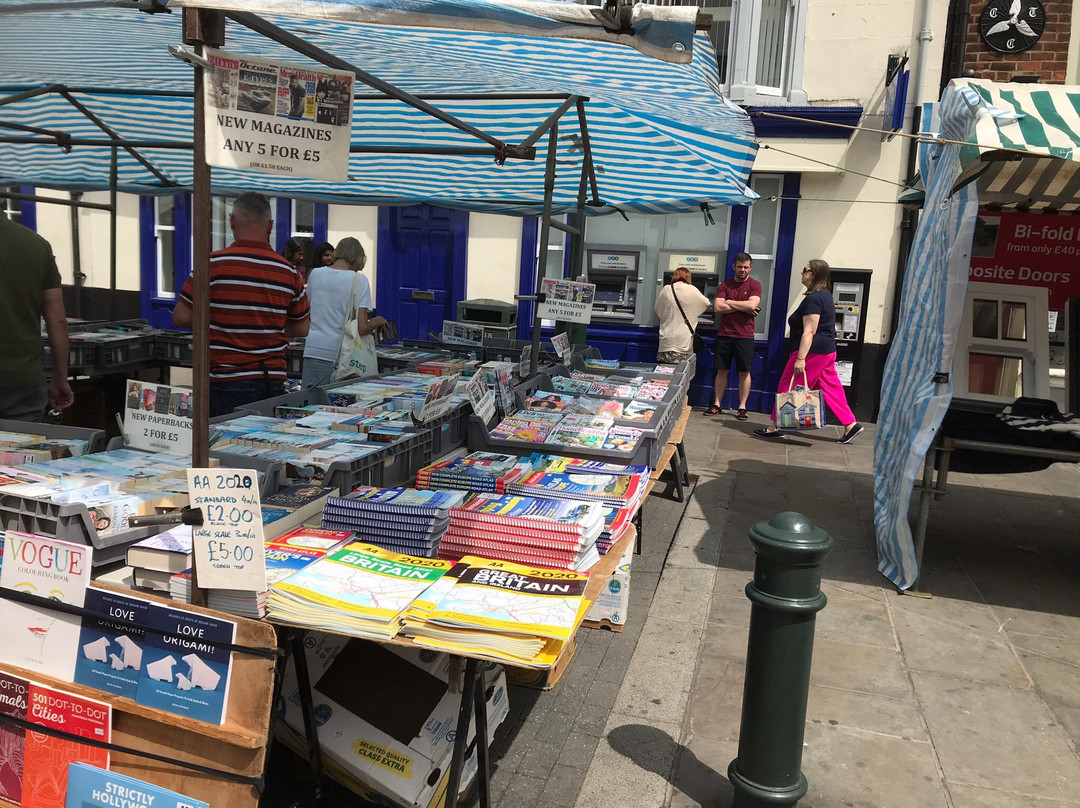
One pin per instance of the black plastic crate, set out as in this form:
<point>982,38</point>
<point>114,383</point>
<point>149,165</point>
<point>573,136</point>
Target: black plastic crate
<point>81,356</point>
<point>126,349</point>
<point>448,432</point>
<point>174,347</point>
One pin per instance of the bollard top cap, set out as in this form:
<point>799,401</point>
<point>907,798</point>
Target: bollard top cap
<point>792,536</point>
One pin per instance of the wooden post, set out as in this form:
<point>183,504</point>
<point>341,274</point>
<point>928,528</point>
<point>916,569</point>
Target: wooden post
<point>200,28</point>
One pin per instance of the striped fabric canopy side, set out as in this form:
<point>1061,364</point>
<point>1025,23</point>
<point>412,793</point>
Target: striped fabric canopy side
<point>913,404</point>
<point>663,138</point>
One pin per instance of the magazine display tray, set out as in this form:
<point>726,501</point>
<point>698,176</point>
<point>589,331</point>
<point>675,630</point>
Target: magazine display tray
<point>238,746</point>
<point>541,383</point>
<point>95,438</point>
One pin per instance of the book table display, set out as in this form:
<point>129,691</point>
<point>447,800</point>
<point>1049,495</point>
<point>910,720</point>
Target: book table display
<point>472,704</point>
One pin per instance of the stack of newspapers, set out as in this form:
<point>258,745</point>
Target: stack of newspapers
<point>359,589</point>
<point>405,520</point>
<point>561,534</point>
<point>511,612</point>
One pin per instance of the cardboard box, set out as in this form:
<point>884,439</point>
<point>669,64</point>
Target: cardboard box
<point>541,678</point>
<point>386,719</point>
<point>613,602</point>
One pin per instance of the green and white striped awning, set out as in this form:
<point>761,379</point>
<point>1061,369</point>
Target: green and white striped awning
<point>1026,158</point>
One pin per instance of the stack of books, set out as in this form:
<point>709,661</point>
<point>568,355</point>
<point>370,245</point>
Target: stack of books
<point>510,612</point>
<point>285,555</point>
<point>617,490</point>
<point>360,590</point>
<point>404,520</point>
<point>293,506</point>
<point>154,561</point>
<point>560,534</point>
<point>478,471</point>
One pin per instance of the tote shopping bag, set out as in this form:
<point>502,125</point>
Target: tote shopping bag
<point>799,407</point>
<point>356,357</point>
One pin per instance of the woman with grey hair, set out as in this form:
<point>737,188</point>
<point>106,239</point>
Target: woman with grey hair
<point>334,292</point>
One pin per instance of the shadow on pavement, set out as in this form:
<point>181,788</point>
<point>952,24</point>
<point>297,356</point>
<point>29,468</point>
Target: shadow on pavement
<point>654,750</point>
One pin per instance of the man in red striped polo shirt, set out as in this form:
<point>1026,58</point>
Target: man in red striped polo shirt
<point>257,302</point>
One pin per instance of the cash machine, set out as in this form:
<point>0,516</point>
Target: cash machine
<point>616,272</point>
<point>705,269</point>
<point>851,294</point>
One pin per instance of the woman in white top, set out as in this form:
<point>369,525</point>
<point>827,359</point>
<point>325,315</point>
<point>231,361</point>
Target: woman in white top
<point>333,291</point>
<point>676,339</point>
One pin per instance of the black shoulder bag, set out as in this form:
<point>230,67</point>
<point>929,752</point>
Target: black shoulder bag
<point>699,343</point>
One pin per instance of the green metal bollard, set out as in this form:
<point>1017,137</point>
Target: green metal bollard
<point>786,597</point>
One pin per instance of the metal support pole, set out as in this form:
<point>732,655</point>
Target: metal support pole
<point>786,596</point>
<point>114,179</point>
<point>545,234</point>
<point>78,276</point>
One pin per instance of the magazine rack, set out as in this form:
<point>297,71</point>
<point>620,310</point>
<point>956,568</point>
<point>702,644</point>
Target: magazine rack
<point>238,746</point>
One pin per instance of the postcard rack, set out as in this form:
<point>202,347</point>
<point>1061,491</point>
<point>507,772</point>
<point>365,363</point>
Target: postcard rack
<point>237,748</point>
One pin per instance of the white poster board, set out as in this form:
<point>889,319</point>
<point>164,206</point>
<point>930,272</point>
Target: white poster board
<point>462,333</point>
<point>439,399</point>
<point>481,398</point>
<point>228,547</point>
<point>561,344</point>
<point>568,301</point>
<point>277,117</point>
<point>157,417</point>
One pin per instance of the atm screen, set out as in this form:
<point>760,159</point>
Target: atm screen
<point>609,291</point>
<point>848,297</point>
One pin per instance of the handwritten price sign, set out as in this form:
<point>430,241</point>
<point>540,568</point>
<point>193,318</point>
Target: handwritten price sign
<point>229,545</point>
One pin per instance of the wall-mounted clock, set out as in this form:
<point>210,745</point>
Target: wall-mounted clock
<point>1012,26</point>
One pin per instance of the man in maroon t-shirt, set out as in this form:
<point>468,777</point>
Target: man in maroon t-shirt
<point>737,302</point>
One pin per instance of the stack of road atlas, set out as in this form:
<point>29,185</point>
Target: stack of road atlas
<point>508,612</point>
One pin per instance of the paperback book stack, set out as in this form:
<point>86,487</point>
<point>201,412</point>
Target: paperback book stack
<point>621,495</point>
<point>510,612</point>
<point>404,520</point>
<point>285,555</point>
<point>479,471</point>
<point>360,590</point>
<point>559,534</point>
<point>155,560</point>
<point>291,507</point>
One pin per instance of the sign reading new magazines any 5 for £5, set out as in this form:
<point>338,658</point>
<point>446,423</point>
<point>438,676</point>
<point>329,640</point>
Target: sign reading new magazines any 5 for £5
<point>278,118</point>
<point>568,301</point>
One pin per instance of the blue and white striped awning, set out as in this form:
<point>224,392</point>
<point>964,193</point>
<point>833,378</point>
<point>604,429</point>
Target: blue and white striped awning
<point>662,136</point>
<point>978,130</point>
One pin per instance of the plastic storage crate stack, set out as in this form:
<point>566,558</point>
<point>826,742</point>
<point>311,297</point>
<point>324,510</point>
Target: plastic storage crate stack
<point>70,521</point>
<point>174,347</point>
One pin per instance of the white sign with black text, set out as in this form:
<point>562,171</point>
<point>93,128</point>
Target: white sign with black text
<point>439,399</point>
<point>157,417</point>
<point>561,344</point>
<point>482,399</point>
<point>228,546</point>
<point>568,301</point>
<point>278,118</point>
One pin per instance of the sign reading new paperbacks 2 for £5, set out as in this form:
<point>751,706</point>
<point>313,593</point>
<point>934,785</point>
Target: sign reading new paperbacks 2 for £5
<point>277,118</point>
<point>157,417</point>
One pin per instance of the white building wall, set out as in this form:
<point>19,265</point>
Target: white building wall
<point>848,213</point>
<point>362,223</point>
<point>494,257</point>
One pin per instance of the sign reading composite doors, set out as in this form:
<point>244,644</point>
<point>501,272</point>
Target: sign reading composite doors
<point>277,118</point>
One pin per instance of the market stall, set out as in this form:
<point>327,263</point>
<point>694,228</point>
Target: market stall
<point>1010,145</point>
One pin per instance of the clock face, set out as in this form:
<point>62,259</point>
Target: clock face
<point>1012,26</point>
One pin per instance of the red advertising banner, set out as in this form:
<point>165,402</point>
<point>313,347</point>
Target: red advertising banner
<point>1028,249</point>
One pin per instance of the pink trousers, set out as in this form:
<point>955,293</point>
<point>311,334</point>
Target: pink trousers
<point>820,375</point>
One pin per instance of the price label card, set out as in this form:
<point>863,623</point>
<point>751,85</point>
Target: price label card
<point>482,399</point>
<point>157,417</point>
<point>439,399</point>
<point>228,547</point>
<point>561,344</point>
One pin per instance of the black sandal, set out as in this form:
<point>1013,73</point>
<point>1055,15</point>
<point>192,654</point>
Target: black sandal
<point>713,410</point>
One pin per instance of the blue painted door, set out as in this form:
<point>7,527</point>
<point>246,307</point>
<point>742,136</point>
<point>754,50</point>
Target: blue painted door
<point>164,255</point>
<point>422,263</point>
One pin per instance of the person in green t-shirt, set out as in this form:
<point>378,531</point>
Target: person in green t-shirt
<point>30,290</point>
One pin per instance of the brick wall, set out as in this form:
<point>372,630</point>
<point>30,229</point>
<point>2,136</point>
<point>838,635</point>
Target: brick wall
<point>1047,59</point>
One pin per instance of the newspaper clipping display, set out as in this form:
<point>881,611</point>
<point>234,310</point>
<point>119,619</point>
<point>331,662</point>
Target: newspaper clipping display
<point>568,301</point>
<point>462,333</point>
<point>278,118</point>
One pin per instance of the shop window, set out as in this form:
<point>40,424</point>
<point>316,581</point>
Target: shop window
<point>759,47</point>
<point>762,229</point>
<point>1002,351</point>
<point>12,208</point>
<point>165,237</point>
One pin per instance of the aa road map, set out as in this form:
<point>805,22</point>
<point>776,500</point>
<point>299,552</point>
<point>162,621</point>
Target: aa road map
<point>567,301</point>
<point>278,118</point>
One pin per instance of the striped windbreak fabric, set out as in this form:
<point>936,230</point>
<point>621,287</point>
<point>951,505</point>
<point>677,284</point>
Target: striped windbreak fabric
<point>662,136</point>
